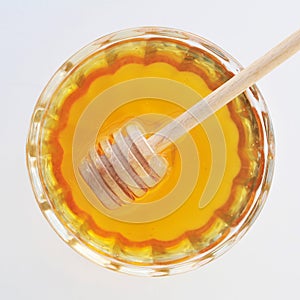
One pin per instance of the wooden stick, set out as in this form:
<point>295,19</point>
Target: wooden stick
<point>225,93</point>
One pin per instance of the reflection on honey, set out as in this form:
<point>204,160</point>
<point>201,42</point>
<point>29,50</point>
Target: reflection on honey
<point>190,228</point>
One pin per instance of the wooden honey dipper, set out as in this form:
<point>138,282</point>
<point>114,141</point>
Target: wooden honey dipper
<point>131,164</point>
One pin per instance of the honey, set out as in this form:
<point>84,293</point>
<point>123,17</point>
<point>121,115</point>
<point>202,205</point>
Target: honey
<point>214,171</point>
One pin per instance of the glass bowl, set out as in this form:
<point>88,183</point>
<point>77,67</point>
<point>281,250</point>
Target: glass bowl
<point>213,191</point>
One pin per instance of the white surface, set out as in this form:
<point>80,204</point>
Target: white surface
<point>36,38</point>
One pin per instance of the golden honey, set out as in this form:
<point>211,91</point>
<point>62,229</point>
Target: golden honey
<point>214,172</point>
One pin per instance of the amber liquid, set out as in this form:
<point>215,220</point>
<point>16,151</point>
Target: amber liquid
<point>214,170</point>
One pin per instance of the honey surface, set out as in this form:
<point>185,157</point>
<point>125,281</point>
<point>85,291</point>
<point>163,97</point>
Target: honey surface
<point>164,225</point>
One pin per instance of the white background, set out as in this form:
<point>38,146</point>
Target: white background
<point>36,38</point>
